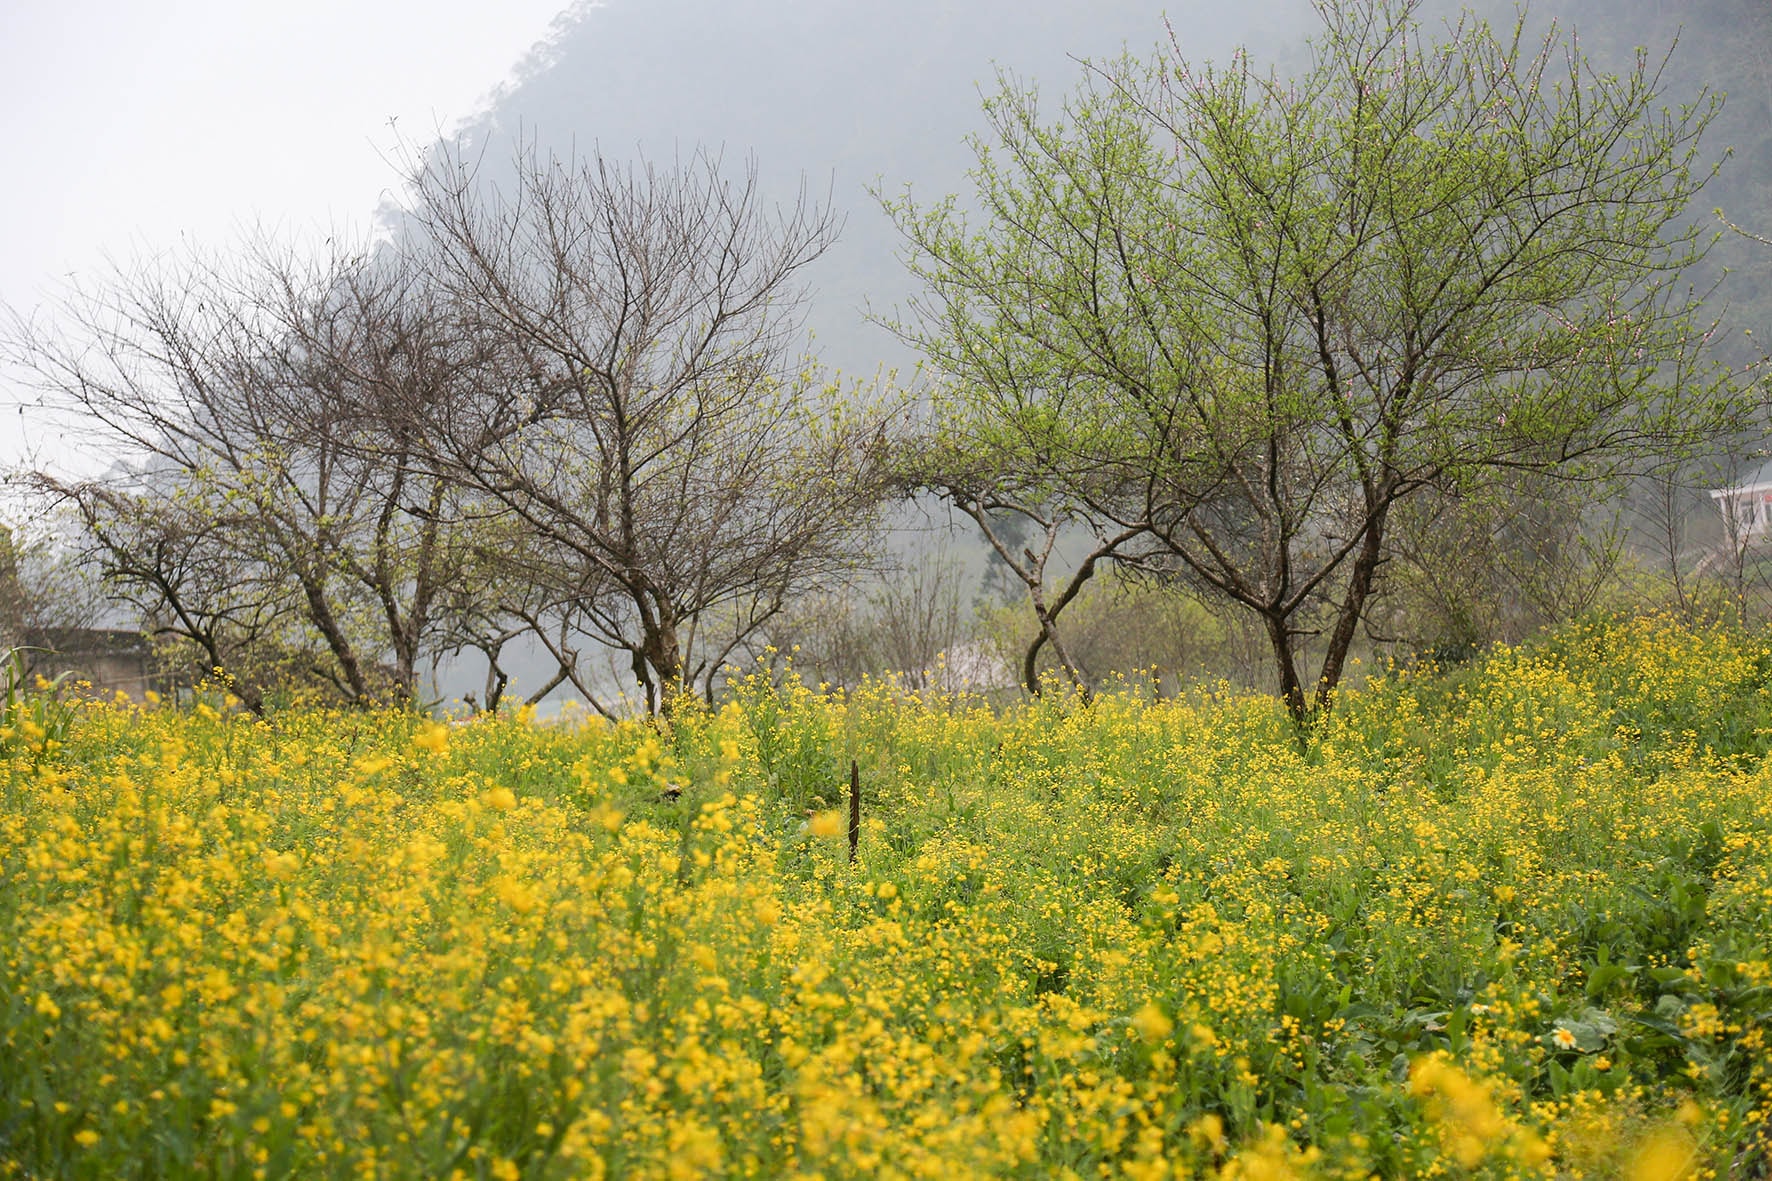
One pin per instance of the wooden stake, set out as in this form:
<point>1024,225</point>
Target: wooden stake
<point>854,808</point>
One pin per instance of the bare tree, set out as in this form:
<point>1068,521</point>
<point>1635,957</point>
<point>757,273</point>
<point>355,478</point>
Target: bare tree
<point>678,469</point>
<point>1497,560</point>
<point>1031,563</point>
<point>261,501</point>
<point>43,587</point>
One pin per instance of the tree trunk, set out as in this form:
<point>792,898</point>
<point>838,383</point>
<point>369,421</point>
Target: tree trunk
<point>1353,608</point>
<point>1286,664</point>
<point>321,615</point>
<point>658,661</point>
<point>1048,634</point>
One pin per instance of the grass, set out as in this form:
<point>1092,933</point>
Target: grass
<point>1508,921</point>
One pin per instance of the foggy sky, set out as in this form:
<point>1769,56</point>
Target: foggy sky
<point>137,128</point>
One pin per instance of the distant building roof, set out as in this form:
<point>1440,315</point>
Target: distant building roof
<point>90,641</point>
<point>1758,480</point>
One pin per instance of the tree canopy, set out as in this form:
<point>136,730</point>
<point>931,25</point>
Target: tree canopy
<point>1247,315</point>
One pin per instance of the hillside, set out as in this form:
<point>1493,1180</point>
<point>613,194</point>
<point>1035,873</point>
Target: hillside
<point>844,97</point>
<point>1725,46</point>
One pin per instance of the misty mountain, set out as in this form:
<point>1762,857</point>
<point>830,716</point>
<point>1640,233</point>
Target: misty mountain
<point>842,96</point>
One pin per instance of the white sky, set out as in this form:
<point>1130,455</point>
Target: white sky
<point>126,127</point>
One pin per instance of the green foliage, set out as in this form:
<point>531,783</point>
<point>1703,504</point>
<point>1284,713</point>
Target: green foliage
<point>34,714</point>
<point>1156,633</point>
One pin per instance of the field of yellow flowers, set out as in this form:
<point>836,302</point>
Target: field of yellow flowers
<point>1510,920</point>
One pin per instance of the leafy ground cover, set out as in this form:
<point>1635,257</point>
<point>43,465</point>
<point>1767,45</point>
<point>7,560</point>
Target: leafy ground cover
<point>1510,920</point>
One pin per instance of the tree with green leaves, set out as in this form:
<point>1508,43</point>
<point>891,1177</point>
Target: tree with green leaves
<point>1250,315</point>
<point>986,469</point>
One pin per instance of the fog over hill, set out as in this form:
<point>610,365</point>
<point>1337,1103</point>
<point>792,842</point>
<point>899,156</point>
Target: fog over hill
<point>1725,47</point>
<point>844,96</point>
